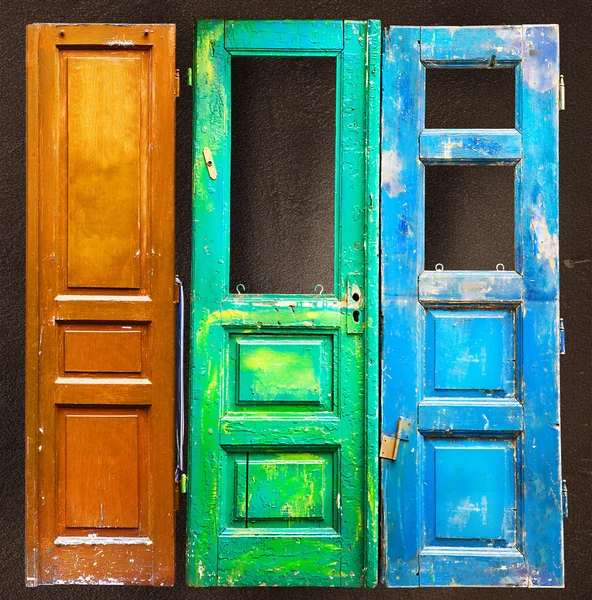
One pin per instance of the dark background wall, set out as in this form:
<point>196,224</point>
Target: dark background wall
<point>448,226</point>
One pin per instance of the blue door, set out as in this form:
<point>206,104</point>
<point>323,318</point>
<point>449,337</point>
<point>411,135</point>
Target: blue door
<point>471,477</point>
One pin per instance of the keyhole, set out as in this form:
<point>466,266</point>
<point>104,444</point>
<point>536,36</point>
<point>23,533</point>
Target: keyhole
<point>355,296</point>
<point>356,316</point>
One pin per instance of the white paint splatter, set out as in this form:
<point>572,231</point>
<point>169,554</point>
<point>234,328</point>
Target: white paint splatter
<point>391,168</point>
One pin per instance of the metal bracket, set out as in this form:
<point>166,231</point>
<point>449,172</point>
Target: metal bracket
<point>564,499</point>
<point>210,163</point>
<point>177,83</point>
<point>390,445</point>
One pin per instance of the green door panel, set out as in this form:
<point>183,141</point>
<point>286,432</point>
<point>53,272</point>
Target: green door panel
<point>284,388</point>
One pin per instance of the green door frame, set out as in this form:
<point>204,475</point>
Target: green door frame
<point>214,311</point>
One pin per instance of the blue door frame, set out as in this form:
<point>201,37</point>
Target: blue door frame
<point>470,359</point>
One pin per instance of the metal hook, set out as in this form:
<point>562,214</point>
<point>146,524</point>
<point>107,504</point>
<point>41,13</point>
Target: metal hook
<point>439,267</point>
<point>318,285</point>
<point>500,267</point>
<point>240,285</point>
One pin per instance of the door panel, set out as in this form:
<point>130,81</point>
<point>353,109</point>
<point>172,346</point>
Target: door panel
<point>471,358</point>
<point>100,304</point>
<point>283,414</point>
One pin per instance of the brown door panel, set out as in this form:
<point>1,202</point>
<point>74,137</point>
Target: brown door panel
<point>100,304</point>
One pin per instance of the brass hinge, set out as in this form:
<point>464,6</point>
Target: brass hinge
<point>177,296</point>
<point>561,93</point>
<point>390,444</point>
<point>177,83</point>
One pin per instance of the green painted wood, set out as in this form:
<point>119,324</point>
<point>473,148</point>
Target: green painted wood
<point>284,36</point>
<point>283,388</point>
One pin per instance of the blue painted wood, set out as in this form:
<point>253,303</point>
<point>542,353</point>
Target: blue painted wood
<point>468,415</point>
<point>472,493</point>
<point>473,47</point>
<point>470,146</point>
<point>470,352</point>
<point>472,566</point>
<point>470,287</point>
<point>284,37</point>
<point>471,358</point>
<point>402,258</point>
<point>537,201</point>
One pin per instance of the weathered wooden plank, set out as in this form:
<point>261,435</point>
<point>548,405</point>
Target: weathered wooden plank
<point>470,567</point>
<point>470,146</point>
<point>309,431</point>
<point>469,416</point>
<point>537,206</point>
<point>276,559</point>
<point>496,46</point>
<point>267,311</point>
<point>402,234</point>
<point>285,37</point>
<point>470,287</point>
<point>208,287</point>
<point>372,326</point>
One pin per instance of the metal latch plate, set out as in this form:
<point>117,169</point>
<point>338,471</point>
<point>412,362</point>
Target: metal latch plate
<point>207,153</point>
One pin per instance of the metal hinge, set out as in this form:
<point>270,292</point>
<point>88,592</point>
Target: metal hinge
<point>177,83</point>
<point>190,77</point>
<point>561,337</point>
<point>561,93</point>
<point>390,445</point>
<point>564,499</point>
<point>177,292</point>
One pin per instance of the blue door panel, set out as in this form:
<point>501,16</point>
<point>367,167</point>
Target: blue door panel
<point>471,358</point>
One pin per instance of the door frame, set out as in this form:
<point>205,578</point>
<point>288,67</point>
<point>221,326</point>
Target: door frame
<point>215,42</point>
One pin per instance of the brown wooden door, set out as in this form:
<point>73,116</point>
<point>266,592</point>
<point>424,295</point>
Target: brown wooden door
<point>100,304</point>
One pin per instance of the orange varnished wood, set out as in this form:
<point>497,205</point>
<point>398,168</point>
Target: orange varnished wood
<point>100,304</point>
<point>114,351</point>
<point>102,471</point>
<point>106,104</point>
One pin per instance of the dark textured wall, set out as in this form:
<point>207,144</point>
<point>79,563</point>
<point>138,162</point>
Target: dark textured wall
<point>576,287</point>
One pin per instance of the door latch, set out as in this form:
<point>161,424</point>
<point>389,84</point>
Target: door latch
<point>207,153</point>
<point>355,304</point>
<point>390,444</point>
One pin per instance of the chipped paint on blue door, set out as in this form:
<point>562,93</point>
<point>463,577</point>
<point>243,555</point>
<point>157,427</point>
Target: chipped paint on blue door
<point>471,358</point>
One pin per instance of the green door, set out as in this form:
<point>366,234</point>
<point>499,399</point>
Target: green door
<point>283,387</point>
